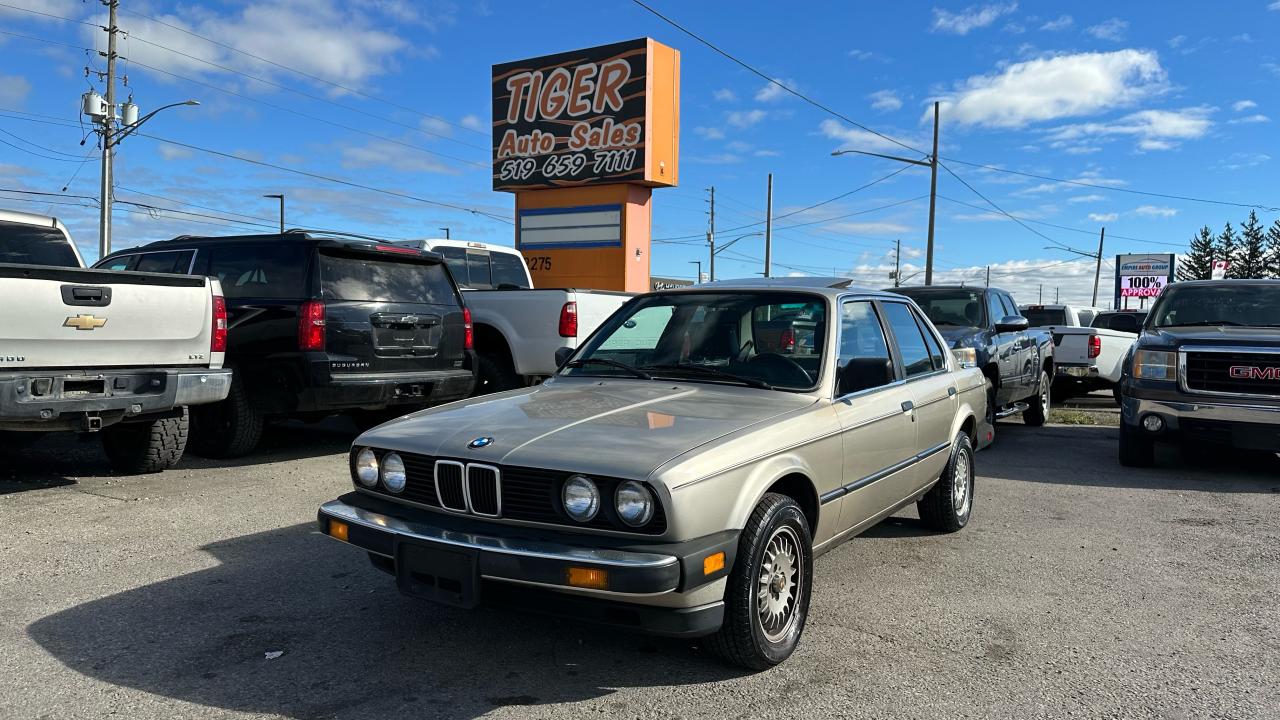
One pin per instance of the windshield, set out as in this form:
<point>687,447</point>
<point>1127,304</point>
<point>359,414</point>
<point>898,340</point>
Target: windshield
<point>948,307</point>
<point>749,338</point>
<point>1040,317</point>
<point>1246,304</point>
<point>1125,321</point>
<point>26,244</point>
<point>362,279</point>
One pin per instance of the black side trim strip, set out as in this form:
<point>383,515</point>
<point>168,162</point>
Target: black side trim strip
<point>881,474</point>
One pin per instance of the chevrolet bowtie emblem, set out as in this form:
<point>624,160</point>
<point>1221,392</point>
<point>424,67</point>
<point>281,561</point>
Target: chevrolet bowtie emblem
<point>84,322</point>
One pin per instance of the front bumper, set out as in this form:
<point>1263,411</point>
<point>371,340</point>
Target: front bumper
<point>63,399</point>
<point>1240,424</point>
<point>530,569</point>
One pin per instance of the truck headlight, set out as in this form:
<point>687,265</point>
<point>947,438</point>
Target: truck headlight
<point>581,498</point>
<point>966,357</point>
<point>393,477</point>
<point>367,468</point>
<point>1155,365</point>
<point>634,503</point>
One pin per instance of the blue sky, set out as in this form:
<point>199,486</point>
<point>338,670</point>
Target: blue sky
<point>1154,96</point>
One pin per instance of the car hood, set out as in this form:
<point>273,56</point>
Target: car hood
<point>1213,336</point>
<point>613,427</point>
<point>956,334</point>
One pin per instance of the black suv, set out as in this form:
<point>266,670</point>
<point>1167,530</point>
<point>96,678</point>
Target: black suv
<point>321,323</point>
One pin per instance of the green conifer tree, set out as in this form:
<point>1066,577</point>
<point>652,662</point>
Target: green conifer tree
<point>1251,258</point>
<point>1197,264</point>
<point>1227,248</point>
<point>1273,250</point>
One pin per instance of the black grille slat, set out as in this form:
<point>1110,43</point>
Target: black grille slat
<point>1210,372</point>
<point>482,484</point>
<point>449,486</point>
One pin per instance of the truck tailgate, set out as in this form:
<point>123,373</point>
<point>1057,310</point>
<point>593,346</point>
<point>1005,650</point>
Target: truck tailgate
<point>71,318</point>
<point>1071,345</point>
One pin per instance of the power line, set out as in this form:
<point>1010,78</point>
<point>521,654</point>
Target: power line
<point>194,205</point>
<point>48,15</point>
<point>753,70</point>
<point>39,146</point>
<point>1093,233</point>
<point>998,208</point>
<point>19,148</point>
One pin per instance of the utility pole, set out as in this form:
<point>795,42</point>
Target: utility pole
<point>1057,293</point>
<point>897,263</point>
<point>711,234</point>
<point>1041,300</point>
<point>108,149</point>
<point>988,276</point>
<point>933,198</point>
<point>768,227</point>
<point>1097,273</point>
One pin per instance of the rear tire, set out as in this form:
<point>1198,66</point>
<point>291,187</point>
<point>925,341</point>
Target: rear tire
<point>495,374</point>
<point>1037,412</point>
<point>949,503</point>
<point>1135,449</point>
<point>1115,394</point>
<point>146,447</point>
<point>767,601</point>
<point>226,429</point>
<point>14,440</point>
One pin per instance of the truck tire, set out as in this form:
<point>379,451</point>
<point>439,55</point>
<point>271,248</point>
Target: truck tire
<point>776,543</point>
<point>146,447</point>
<point>494,374</point>
<point>226,429</point>
<point>1037,412</point>
<point>949,503</point>
<point>1135,449</point>
<point>991,407</point>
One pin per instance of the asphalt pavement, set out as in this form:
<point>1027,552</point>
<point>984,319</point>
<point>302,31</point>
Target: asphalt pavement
<point>1079,590</point>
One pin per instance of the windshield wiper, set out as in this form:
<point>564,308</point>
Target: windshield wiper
<point>712,372</point>
<point>636,372</point>
<point>1205,323</point>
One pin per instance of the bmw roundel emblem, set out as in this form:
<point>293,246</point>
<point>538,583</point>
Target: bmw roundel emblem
<point>480,442</point>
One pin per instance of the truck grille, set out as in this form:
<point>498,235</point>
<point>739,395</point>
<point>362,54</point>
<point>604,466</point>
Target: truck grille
<point>1233,372</point>
<point>511,492</point>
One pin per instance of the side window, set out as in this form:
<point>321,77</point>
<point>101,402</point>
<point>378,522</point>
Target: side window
<point>935,349</point>
<point>478,269</point>
<point>177,262</point>
<point>1011,308</point>
<point>124,262</point>
<point>259,271</point>
<point>508,269</point>
<point>864,354</point>
<point>915,354</point>
<point>995,310</point>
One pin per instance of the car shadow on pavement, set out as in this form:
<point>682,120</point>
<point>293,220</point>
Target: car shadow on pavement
<point>352,646</point>
<point>1056,453</point>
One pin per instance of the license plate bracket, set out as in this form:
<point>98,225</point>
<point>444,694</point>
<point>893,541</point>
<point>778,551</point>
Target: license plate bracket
<point>446,575</point>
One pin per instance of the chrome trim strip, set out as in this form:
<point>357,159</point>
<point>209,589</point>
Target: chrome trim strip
<point>497,488</point>
<point>1182,368</point>
<point>571,590</point>
<point>927,403</point>
<point>881,474</point>
<point>868,391</point>
<point>519,548</point>
<point>462,473</point>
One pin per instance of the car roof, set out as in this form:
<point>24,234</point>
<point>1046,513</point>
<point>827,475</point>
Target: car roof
<point>829,286</point>
<point>452,242</point>
<point>1265,282</point>
<point>931,288</point>
<point>330,238</point>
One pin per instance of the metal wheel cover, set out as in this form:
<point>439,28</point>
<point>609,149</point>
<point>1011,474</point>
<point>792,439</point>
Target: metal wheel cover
<point>780,584</point>
<point>962,484</point>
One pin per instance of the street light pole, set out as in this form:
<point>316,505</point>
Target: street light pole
<point>768,227</point>
<point>697,280</point>
<point>446,232</point>
<point>279,197</point>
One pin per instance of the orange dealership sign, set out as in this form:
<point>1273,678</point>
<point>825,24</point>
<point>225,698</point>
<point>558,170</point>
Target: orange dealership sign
<point>608,114</point>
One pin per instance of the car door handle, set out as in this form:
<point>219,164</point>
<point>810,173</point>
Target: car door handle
<point>951,392</point>
<point>908,406</point>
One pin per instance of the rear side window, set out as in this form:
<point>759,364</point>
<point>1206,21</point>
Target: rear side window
<point>508,270</point>
<point>259,271</point>
<point>1039,317</point>
<point>478,275</point>
<point>178,262</point>
<point>935,349</point>
<point>365,280</point>
<point>915,354</point>
<point>124,262</point>
<point>34,245</point>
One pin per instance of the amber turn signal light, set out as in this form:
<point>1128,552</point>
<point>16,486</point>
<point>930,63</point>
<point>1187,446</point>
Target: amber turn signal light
<point>713,563</point>
<point>338,530</point>
<point>591,578</point>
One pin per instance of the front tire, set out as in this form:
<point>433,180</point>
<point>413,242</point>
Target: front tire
<point>146,447</point>
<point>949,503</point>
<point>767,596</point>
<point>1135,449</point>
<point>1037,412</point>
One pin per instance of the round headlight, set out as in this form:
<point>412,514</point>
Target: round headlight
<point>393,472</point>
<point>367,468</point>
<point>581,498</point>
<point>634,503</point>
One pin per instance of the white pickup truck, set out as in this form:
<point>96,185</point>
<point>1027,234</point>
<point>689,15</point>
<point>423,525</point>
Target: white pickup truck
<point>517,328</point>
<point>1089,355</point>
<point>123,353</point>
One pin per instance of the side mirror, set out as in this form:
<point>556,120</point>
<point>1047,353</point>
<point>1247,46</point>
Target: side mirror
<point>863,374</point>
<point>562,356</point>
<point>1012,323</point>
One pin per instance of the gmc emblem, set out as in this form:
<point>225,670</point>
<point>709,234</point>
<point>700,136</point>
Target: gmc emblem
<point>1250,372</point>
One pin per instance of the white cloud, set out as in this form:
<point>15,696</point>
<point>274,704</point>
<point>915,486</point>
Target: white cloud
<point>1240,161</point>
<point>1113,29</point>
<point>745,118</point>
<point>724,95</point>
<point>1274,6</point>
<point>1249,119</point>
<point>1062,23</point>
<point>1153,211</point>
<point>773,92</point>
<point>739,146</point>
<point>766,153</point>
<point>718,159</point>
<point>857,54</point>
<point>1153,129</point>
<point>473,122</point>
<point>710,133</point>
<point>173,152</point>
<point>1085,198</point>
<point>971,18</point>
<point>1104,217</point>
<point>383,154</point>
<point>436,126</point>
<point>1245,38</point>
<point>1176,41</point>
<point>869,228</point>
<point>885,100</point>
<point>64,8</point>
<point>13,91</point>
<point>1056,87</point>
<point>1242,105</point>
<point>856,139</point>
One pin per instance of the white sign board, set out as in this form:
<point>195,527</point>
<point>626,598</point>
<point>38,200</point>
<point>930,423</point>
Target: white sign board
<point>1142,286</point>
<point>1142,276</point>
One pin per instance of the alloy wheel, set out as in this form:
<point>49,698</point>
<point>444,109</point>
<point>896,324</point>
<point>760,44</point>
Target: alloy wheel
<point>780,584</point>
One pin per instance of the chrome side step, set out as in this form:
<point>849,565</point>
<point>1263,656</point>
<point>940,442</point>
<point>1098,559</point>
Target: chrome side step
<point>1013,409</point>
